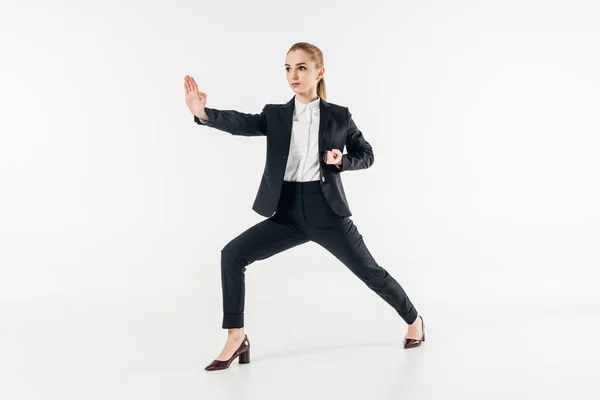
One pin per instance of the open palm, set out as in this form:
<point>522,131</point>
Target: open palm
<point>194,99</point>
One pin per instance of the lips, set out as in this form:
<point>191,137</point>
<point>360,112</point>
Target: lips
<point>295,84</point>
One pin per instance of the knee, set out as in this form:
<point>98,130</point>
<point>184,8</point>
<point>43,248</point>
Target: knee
<point>231,255</point>
<point>233,247</point>
<point>228,249</point>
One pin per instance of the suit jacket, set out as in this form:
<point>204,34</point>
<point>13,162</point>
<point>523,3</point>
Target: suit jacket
<point>336,131</point>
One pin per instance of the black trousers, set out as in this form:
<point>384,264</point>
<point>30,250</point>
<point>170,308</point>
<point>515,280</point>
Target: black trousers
<point>303,215</point>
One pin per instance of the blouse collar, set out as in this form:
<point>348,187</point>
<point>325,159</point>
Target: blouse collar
<point>313,106</point>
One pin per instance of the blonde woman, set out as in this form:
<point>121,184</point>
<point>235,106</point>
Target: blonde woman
<point>300,193</point>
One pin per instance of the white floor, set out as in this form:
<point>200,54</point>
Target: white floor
<point>324,339</point>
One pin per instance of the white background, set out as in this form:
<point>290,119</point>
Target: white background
<point>482,201</point>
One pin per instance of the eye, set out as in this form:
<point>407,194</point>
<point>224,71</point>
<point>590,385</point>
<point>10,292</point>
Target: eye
<point>302,66</point>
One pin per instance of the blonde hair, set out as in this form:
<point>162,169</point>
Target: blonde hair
<point>316,55</point>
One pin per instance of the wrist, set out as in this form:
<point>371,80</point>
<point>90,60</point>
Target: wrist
<point>202,115</point>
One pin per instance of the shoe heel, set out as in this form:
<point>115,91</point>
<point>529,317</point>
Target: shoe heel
<point>245,357</point>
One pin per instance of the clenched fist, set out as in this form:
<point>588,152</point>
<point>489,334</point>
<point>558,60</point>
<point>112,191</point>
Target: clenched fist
<point>333,157</point>
<point>194,99</point>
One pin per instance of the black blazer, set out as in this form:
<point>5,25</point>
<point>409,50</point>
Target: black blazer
<point>336,130</point>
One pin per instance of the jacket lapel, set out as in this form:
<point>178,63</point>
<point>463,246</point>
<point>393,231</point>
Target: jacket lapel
<point>287,113</point>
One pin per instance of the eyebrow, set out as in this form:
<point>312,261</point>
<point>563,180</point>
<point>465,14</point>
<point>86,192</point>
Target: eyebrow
<point>287,65</point>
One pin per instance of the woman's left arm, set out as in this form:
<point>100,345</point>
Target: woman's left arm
<point>360,153</point>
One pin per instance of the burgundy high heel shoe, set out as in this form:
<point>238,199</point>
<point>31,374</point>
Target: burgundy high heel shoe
<point>243,352</point>
<point>410,343</point>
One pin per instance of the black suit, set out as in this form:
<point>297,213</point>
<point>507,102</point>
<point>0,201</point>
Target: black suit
<point>301,211</point>
<point>336,131</point>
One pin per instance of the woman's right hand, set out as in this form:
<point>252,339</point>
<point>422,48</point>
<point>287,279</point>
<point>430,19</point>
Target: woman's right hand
<point>194,99</point>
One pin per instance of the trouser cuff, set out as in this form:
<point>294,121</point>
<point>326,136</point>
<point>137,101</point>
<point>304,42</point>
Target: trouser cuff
<point>233,321</point>
<point>411,316</point>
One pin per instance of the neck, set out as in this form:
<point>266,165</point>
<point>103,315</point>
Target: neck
<point>306,98</point>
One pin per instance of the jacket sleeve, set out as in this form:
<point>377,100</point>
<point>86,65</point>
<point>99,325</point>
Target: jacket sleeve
<point>359,152</point>
<point>235,122</point>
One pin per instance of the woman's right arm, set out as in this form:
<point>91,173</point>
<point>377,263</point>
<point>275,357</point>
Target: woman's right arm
<point>234,122</point>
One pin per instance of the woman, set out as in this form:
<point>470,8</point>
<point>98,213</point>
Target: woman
<point>301,193</point>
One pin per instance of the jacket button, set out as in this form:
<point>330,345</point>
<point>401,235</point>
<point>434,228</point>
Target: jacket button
<point>323,179</point>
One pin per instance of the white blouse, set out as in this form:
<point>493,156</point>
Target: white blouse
<point>303,158</point>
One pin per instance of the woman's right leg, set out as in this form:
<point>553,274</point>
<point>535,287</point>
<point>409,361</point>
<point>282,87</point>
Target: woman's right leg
<point>258,242</point>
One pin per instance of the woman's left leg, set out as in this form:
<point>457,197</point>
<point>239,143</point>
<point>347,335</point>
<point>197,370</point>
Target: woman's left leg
<point>345,242</point>
<point>340,237</point>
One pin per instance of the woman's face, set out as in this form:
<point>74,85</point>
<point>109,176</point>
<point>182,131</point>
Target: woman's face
<point>301,73</point>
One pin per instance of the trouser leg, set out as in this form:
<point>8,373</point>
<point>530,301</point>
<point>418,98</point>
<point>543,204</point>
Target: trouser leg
<point>345,242</point>
<point>258,242</point>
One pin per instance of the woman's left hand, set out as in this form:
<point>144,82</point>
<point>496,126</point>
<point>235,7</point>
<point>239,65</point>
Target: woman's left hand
<point>333,157</point>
